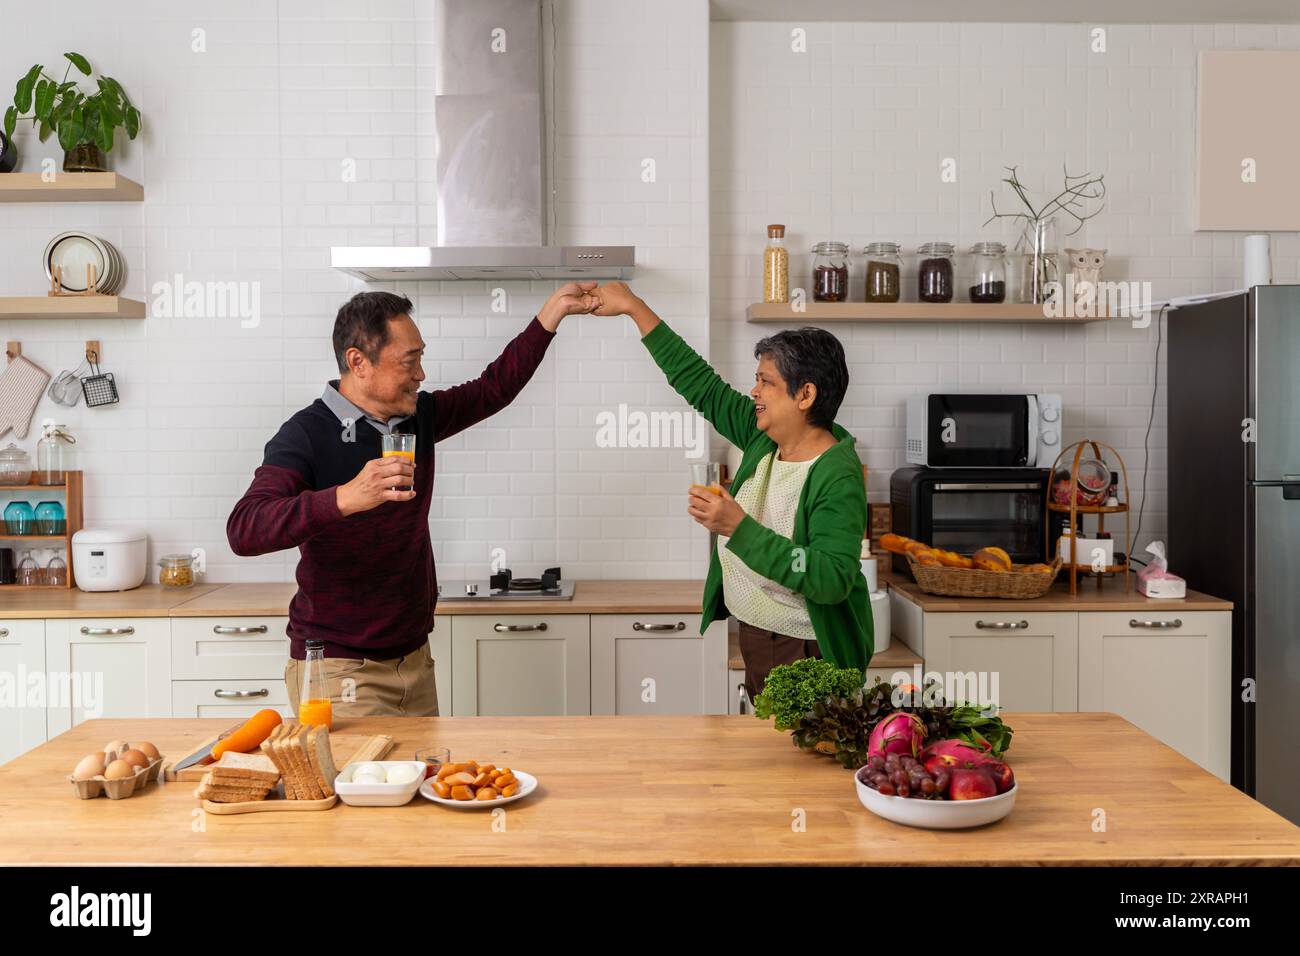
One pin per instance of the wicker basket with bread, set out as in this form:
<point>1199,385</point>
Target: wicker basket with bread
<point>989,572</point>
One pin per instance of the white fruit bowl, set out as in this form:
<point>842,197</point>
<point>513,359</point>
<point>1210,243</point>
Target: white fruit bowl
<point>936,814</point>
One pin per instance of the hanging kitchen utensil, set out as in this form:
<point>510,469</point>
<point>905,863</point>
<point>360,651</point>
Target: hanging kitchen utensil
<point>98,387</point>
<point>65,388</point>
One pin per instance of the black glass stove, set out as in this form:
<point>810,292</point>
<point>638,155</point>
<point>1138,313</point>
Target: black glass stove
<point>504,586</point>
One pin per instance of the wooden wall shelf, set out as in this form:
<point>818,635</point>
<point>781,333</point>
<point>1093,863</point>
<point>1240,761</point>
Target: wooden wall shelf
<point>70,307</point>
<point>71,490</point>
<point>69,187</point>
<point>817,312</point>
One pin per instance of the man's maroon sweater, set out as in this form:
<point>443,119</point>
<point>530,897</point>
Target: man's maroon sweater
<point>366,582</point>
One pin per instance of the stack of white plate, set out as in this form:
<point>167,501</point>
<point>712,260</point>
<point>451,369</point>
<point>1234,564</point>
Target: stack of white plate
<point>73,251</point>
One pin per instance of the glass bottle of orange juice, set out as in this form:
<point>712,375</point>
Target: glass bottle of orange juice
<point>314,702</point>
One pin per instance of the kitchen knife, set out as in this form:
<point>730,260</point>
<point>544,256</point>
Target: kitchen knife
<point>204,753</point>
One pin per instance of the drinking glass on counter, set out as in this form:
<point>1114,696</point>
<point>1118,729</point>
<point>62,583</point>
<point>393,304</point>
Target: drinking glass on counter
<point>433,758</point>
<point>400,445</point>
<point>707,474</point>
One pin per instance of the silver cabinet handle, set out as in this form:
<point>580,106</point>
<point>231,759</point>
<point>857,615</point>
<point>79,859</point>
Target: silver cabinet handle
<point>4,632</point>
<point>106,631</point>
<point>742,706</point>
<point>1176,622</point>
<point>638,626</point>
<point>239,694</point>
<point>1002,625</point>
<point>253,629</point>
<point>519,627</point>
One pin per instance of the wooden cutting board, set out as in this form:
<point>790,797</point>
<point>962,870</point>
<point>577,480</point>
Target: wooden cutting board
<point>345,747</point>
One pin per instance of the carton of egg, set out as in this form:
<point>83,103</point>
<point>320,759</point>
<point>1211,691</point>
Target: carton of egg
<point>117,773</point>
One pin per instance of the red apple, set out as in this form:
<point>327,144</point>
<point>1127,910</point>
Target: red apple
<point>971,785</point>
<point>940,762</point>
<point>1003,778</point>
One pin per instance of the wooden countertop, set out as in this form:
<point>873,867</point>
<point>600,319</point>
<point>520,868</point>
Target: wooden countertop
<point>272,600</point>
<point>656,790</point>
<point>1110,597</point>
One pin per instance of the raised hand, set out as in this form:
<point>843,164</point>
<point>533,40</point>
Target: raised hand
<point>615,298</point>
<point>573,298</point>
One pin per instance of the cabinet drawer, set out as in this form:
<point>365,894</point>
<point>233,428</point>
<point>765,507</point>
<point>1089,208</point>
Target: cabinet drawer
<point>228,698</point>
<point>657,664</point>
<point>515,665</point>
<point>1028,661</point>
<point>215,648</point>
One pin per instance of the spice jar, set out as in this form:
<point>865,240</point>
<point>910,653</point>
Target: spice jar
<point>177,570</point>
<point>831,272</point>
<point>934,277</point>
<point>776,266</point>
<point>884,271</point>
<point>15,466</point>
<point>989,279</point>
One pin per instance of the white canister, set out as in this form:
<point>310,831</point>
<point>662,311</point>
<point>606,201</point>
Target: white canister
<point>1257,268</point>
<point>880,619</point>
<point>109,559</point>
<point>869,572</point>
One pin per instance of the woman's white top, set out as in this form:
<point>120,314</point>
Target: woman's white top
<point>770,497</point>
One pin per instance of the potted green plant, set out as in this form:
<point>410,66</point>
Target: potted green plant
<point>84,122</point>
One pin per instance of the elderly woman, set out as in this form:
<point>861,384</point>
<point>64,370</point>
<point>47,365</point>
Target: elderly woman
<point>787,562</point>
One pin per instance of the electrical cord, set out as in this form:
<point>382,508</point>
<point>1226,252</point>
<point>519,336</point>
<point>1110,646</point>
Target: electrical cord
<point>1146,441</point>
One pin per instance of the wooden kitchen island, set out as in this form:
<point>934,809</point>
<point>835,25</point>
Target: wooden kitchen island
<point>656,790</point>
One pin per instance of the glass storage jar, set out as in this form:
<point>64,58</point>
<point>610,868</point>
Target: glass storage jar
<point>884,272</point>
<point>177,570</point>
<point>15,466</point>
<point>831,272</point>
<point>988,272</point>
<point>54,454</point>
<point>776,266</point>
<point>934,275</point>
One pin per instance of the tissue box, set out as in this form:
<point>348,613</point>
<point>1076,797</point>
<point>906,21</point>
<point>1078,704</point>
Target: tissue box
<point>1168,586</point>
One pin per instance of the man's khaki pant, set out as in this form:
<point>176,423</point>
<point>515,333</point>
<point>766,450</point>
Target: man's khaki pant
<point>400,687</point>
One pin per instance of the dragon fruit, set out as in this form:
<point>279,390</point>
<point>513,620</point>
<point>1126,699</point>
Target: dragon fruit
<point>899,733</point>
<point>955,753</point>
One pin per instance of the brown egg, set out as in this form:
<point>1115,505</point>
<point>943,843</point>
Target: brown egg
<point>119,769</point>
<point>135,758</point>
<point>91,765</point>
<point>148,749</point>
<point>115,748</point>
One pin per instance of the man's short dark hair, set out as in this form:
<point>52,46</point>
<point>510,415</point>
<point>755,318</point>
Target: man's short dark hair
<point>810,355</point>
<point>362,323</point>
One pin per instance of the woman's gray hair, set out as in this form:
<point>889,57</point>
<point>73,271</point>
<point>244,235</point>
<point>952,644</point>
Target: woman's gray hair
<point>810,355</point>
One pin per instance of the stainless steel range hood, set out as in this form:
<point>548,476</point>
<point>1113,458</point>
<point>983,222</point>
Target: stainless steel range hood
<point>487,110</point>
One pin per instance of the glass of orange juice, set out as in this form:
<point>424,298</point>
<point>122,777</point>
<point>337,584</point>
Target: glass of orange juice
<point>400,445</point>
<point>707,474</point>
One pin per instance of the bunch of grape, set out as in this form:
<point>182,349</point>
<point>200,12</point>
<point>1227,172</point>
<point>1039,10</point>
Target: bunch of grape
<point>903,775</point>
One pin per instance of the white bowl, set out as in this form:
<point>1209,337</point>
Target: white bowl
<point>936,814</point>
<point>527,784</point>
<point>378,794</point>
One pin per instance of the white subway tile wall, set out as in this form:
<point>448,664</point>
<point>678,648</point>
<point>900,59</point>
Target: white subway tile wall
<point>254,113</point>
<point>847,141</point>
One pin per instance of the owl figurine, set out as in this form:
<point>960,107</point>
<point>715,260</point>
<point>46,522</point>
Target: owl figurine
<point>1086,266</point>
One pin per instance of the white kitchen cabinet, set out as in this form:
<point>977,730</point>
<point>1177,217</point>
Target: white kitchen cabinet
<point>235,699</point>
<point>1035,656</point>
<point>520,665</point>
<point>1169,672</point>
<point>657,664</point>
<point>116,667</point>
<point>22,660</point>
<point>210,648</point>
<point>440,648</point>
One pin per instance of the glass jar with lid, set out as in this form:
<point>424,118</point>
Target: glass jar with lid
<point>830,272</point>
<point>934,274</point>
<point>776,266</point>
<point>177,570</point>
<point>15,466</point>
<point>988,272</point>
<point>54,454</point>
<point>884,272</point>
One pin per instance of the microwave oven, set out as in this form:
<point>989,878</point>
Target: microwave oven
<point>954,430</point>
<point>965,509</point>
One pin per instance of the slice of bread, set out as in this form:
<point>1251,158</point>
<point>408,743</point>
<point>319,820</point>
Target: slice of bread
<point>270,747</point>
<point>248,769</point>
<point>208,790</point>
<point>321,758</point>
<point>305,780</point>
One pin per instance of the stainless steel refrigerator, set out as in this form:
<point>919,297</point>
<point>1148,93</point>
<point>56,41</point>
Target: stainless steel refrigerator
<point>1234,511</point>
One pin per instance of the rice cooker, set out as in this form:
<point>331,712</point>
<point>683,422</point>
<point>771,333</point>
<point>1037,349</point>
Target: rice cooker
<point>109,559</point>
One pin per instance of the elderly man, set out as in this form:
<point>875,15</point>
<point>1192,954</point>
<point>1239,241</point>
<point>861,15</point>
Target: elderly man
<point>366,581</point>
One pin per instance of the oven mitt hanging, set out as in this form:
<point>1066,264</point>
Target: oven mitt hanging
<point>21,386</point>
